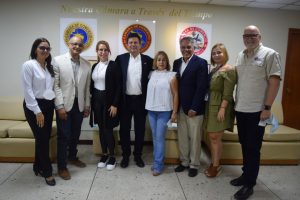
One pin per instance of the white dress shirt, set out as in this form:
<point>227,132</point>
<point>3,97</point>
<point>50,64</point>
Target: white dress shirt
<point>98,75</point>
<point>134,75</point>
<point>37,83</point>
<point>184,65</point>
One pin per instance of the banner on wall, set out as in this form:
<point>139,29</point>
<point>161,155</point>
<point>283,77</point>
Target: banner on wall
<point>146,30</point>
<point>85,28</point>
<point>202,38</point>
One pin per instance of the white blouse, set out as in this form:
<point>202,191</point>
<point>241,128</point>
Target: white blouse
<point>159,94</point>
<point>37,84</point>
<point>98,75</point>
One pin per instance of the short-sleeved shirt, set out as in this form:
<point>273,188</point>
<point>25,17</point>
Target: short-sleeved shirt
<point>159,94</point>
<point>253,75</point>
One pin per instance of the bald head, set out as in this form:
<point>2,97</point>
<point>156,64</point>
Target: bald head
<point>251,37</point>
<point>76,46</point>
<point>252,29</point>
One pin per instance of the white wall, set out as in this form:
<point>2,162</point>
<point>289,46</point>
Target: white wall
<point>21,22</point>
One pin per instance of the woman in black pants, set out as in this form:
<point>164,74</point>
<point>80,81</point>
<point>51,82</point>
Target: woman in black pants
<point>105,89</point>
<point>37,80</point>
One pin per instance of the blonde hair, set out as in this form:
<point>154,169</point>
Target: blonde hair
<point>224,51</point>
<point>164,55</point>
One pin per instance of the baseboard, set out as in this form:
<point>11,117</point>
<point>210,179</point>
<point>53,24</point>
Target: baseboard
<point>262,162</point>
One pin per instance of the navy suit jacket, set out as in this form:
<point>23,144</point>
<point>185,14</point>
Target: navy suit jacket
<point>193,84</point>
<point>123,61</point>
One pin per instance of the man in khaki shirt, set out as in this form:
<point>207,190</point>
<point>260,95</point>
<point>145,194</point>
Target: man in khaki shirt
<point>259,74</point>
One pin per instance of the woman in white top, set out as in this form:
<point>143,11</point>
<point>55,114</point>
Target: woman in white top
<point>105,90</point>
<point>162,105</point>
<point>37,80</point>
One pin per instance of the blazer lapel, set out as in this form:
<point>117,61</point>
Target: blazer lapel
<point>69,65</point>
<point>144,66</point>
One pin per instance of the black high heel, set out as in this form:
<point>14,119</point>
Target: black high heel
<point>51,182</point>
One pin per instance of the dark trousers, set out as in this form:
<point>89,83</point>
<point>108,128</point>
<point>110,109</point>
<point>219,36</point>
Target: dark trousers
<point>132,105</point>
<point>250,137</point>
<point>106,136</point>
<point>42,135</point>
<point>68,133</point>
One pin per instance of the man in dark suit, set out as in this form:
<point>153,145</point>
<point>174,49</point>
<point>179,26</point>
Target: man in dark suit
<point>135,70</point>
<point>192,72</point>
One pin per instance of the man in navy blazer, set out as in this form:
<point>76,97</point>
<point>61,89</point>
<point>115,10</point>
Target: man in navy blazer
<point>192,73</point>
<point>135,71</point>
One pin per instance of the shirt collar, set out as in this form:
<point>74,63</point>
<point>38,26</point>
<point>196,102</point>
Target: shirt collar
<point>135,58</point>
<point>104,63</point>
<point>187,60</point>
<point>254,51</point>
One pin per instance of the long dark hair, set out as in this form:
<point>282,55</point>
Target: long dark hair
<point>33,54</point>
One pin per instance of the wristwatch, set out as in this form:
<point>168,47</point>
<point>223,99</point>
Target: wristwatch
<point>267,107</point>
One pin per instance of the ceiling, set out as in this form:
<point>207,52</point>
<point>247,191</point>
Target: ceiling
<point>271,4</point>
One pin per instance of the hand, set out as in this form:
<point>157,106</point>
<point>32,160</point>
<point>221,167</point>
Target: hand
<point>62,114</point>
<point>40,120</point>
<point>221,115</point>
<point>192,113</point>
<point>113,111</point>
<point>86,113</point>
<point>265,114</point>
<point>174,118</point>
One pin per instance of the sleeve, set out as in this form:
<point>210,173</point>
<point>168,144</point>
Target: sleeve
<point>27,78</point>
<point>274,65</point>
<point>118,79</point>
<point>87,95</point>
<point>59,102</point>
<point>230,79</point>
<point>202,85</point>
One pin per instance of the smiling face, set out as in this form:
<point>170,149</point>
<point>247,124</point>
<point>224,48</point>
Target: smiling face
<point>102,52</point>
<point>218,56</point>
<point>161,62</point>
<point>251,37</point>
<point>134,46</point>
<point>75,46</point>
<point>43,51</point>
<point>186,48</point>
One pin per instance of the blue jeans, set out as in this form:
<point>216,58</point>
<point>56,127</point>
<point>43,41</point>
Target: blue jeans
<point>158,123</point>
<point>68,133</point>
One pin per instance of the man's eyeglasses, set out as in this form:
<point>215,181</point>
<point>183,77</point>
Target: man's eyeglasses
<point>77,44</point>
<point>43,48</point>
<point>252,36</point>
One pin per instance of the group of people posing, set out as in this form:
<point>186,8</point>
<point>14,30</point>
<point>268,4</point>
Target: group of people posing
<point>134,85</point>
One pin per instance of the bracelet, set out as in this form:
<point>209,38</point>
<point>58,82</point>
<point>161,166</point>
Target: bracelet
<point>223,107</point>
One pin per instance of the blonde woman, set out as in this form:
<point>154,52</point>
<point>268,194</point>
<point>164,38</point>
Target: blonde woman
<point>219,114</point>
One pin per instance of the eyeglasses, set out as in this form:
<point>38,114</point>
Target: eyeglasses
<point>252,36</point>
<point>43,48</point>
<point>77,44</point>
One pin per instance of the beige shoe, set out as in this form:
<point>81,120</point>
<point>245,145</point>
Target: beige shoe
<point>64,174</point>
<point>77,163</point>
<point>213,171</point>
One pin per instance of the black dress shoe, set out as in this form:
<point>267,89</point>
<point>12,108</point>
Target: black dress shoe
<point>237,181</point>
<point>38,172</point>
<point>180,168</point>
<point>139,162</point>
<point>124,162</point>
<point>193,172</point>
<point>244,193</point>
<point>50,182</point>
